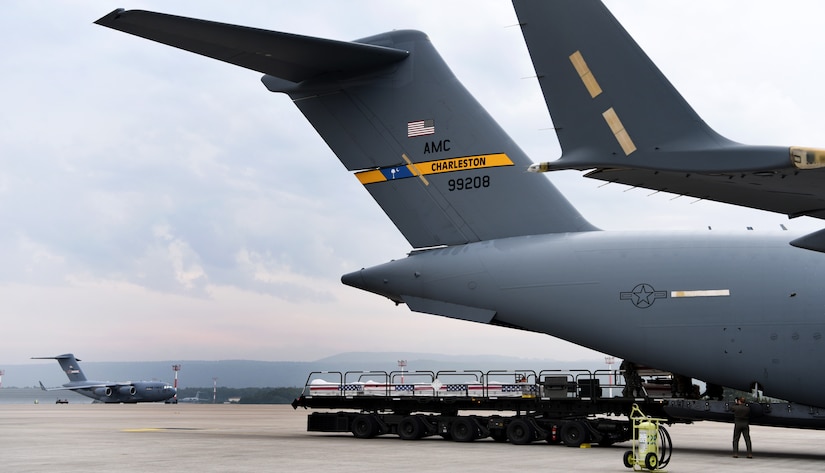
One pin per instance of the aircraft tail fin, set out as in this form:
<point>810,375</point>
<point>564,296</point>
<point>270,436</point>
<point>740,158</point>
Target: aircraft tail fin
<point>610,104</point>
<point>439,166</point>
<point>69,364</point>
<point>392,111</point>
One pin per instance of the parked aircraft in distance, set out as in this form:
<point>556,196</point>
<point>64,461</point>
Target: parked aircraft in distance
<point>194,399</point>
<point>494,244</point>
<point>106,391</point>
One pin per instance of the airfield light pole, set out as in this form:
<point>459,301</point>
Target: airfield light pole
<point>176,368</point>
<point>402,364</point>
<point>214,390</point>
<point>610,360</point>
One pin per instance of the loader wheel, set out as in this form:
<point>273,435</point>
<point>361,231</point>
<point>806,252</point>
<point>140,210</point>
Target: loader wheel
<point>463,430</point>
<point>520,432</point>
<point>364,427</point>
<point>651,461</point>
<point>573,434</point>
<point>410,428</point>
<point>628,459</point>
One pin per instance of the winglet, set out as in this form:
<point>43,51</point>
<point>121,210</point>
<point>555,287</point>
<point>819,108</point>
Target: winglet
<point>611,106</point>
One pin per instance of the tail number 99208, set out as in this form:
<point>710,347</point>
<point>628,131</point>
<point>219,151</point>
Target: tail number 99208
<point>466,183</point>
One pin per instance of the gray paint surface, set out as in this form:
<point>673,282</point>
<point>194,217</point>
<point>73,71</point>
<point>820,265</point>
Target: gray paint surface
<point>730,310</point>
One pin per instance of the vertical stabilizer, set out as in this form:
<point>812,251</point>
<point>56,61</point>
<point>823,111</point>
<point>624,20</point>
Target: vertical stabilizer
<point>435,161</point>
<point>69,364</point>
<point>394,114</point>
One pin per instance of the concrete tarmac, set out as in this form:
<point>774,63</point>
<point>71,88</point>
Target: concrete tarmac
<point>255,438</point>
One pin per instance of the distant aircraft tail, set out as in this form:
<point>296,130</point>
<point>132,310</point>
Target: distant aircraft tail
<point>611,106</point>
<point>392,111</point>
<point>69,364</point>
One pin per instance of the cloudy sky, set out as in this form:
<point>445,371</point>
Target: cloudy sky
<point>157,205</point>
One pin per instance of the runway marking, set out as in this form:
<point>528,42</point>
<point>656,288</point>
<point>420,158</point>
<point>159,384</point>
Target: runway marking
<point>158,429</point>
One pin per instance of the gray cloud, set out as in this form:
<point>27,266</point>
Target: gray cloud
<point>153,198</point>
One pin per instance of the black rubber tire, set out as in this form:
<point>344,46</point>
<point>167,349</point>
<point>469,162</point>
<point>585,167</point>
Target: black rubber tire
<point>410,428</point>
<point>520,432</point>
<point>364,427</point>
<point>463,429</point>
<point>628,459</point>
<point>573,434</point>
<point>651,461</point>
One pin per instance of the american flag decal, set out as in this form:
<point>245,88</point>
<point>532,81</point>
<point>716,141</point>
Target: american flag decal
<point>420,128</point>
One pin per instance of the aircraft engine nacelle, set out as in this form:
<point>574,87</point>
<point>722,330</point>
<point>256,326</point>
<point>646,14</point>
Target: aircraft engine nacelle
<point>126,390</point>
<point>107,391</point>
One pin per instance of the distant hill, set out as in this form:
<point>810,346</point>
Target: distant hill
<point>248,373</point>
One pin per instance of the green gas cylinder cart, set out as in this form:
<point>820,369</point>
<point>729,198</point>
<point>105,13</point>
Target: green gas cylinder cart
<point>651,447</point>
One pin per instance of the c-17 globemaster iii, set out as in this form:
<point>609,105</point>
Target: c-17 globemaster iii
<point>107,391</point>
<point>495,244</point>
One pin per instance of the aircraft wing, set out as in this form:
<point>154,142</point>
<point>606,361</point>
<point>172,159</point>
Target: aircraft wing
<point>287,56</point>
<point>97,385</point>
<point>787,191</point>
<point>92,385</point>
<point>74,387</point>
<point>617,116</point>
<point>59,388</point>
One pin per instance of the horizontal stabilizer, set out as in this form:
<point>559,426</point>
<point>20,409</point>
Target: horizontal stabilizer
<point>67,356</point>
<point>288,56</point>
<point>791,193</point>
<point>446,309</point>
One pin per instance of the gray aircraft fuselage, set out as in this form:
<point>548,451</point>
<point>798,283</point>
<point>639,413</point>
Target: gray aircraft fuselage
<point>728,309</point>
<point>498,245</point>
<point>137,391</point>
